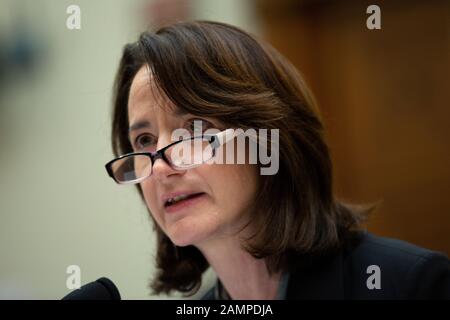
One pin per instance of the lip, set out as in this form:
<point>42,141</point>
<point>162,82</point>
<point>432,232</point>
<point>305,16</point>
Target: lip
<point>182,204</point>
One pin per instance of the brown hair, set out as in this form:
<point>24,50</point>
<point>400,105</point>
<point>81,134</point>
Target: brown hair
<point>217,70</point>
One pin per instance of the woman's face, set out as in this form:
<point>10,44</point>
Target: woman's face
<point>227,190</point>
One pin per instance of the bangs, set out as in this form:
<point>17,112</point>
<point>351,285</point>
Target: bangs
<point>206,72</point>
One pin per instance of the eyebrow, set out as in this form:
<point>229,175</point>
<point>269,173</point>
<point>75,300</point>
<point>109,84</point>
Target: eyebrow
<point>146,124</point>
<point>139,125</point>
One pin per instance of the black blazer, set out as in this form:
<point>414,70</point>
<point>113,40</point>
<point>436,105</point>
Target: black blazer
<point>404,271</point>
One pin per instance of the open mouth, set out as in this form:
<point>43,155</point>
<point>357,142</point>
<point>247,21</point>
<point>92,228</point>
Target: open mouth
<point>181,198</point>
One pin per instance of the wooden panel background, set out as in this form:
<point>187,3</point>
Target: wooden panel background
<point>385,98</point>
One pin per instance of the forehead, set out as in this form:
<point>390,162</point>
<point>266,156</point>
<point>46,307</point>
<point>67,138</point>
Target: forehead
<point>145,98</point>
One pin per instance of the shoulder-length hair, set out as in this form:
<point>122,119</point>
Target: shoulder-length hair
<point>217,70</point>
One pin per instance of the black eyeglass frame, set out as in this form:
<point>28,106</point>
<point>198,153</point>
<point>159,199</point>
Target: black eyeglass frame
<point>160,154</point>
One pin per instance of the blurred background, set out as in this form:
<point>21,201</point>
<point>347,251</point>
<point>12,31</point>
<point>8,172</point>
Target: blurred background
<point>384,95</point>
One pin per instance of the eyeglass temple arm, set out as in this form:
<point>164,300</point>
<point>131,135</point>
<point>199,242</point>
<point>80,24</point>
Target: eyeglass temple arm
<point>223,137</point>
<point>227,135</point>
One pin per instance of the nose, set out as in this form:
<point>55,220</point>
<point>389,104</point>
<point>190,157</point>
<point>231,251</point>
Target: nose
<point>161,169</point>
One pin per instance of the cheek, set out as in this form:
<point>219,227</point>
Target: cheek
<point>233,187</point>
<point>151,200</point>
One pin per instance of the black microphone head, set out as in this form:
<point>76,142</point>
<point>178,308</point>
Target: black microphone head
<point>102,289</point>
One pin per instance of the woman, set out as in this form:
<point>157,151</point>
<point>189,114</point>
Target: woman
<point>267,236</point>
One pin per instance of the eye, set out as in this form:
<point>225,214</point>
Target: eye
<point>144,141</point>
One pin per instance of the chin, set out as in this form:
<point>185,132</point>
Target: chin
<point>183,240</point>
<point>185,234</point>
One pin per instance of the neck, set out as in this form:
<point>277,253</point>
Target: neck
<point>243,276</point>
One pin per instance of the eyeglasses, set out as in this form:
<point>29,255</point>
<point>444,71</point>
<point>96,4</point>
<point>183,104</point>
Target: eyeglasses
<point>188,153</point>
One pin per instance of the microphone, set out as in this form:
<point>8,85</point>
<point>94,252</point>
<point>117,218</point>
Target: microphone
<point>101,289</point>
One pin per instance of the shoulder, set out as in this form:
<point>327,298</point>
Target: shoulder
<point>393,253</point>
<point>371,267</point>
<point>390,268</point>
